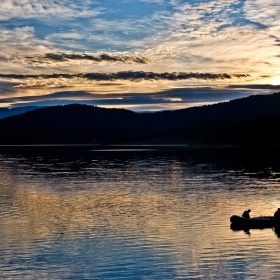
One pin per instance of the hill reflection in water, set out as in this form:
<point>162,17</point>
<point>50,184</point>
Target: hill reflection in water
<point>79,212</point>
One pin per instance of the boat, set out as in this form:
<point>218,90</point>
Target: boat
<point>238,223</point>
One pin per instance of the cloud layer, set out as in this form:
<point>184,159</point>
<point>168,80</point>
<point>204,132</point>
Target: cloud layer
<point>128,75</point>
<point>170,99</point>
<point>172,43</point>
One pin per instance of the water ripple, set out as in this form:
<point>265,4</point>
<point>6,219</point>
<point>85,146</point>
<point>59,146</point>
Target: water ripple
<point>136,215</point>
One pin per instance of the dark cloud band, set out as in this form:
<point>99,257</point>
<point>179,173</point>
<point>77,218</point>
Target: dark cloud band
<point>128,75</point>
<point>64,57</point>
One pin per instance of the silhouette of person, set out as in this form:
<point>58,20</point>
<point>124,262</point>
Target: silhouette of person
<point>246,214</point>
<point>277,214</point>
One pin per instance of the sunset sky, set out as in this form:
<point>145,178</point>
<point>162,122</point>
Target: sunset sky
<point>137,54</point>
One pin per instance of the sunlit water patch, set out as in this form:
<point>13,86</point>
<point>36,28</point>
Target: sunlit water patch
<point>79,213</point>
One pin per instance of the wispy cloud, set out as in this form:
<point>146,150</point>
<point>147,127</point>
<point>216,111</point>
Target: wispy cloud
<point>50,9</point>
<point>264,12</point>
<point>21,41</point>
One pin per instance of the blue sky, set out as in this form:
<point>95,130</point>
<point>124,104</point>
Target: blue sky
<point>139,55</point>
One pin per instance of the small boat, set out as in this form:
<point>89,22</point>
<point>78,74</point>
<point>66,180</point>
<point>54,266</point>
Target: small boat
<point>261,222</point>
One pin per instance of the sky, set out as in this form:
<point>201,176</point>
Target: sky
<point>142,55</point>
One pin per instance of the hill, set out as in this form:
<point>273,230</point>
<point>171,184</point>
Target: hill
<point>262,132</point>
<point>233,122</point>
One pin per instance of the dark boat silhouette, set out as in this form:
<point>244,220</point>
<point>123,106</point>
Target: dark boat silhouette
<point>240,223</point>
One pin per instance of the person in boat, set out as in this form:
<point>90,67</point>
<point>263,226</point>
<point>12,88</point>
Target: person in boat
<point>246,214</point>
<point>277,214</point>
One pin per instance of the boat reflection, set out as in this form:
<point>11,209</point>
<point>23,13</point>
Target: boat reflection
<point>277,231</point>
<point>247,230</point>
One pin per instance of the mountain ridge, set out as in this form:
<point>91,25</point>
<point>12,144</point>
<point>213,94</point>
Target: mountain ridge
<point>221,123</point>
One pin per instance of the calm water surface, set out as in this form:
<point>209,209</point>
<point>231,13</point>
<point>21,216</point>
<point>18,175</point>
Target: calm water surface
<point>136,213</point>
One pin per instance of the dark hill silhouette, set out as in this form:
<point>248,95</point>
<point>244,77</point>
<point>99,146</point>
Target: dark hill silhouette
<point>69,124</point>
<point>226,122</point>
<point>262,132</point>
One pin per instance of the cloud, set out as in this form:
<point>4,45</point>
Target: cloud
<point>20,40</point>
<point>265,12</point>
<point>6,88</point>
<point>50,58</point>
<point>51,9</point>
<point>171,36</point>
<point>125,75</point>
<point>219,34</point>
<point>257,86</point>
<point>169,99</point>
<point>191,95</point>
<point>137,45</point>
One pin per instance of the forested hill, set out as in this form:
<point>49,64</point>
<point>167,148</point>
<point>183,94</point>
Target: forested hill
<point>248,120</point>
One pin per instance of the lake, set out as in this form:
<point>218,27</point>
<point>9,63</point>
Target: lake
<point>136,212</point>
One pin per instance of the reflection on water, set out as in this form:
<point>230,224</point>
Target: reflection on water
<point>155,213</point>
